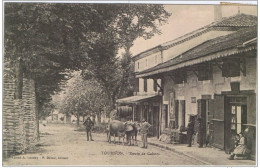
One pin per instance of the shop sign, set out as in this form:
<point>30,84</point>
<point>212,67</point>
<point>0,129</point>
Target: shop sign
<point>193,99</point>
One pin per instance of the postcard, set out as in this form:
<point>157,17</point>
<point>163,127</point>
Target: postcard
<point>129,84</point>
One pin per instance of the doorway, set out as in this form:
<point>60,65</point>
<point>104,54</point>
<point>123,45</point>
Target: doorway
<point>235,118</point>
<point>206,115</point>
<point>238,118</point>
<point>155,122</point>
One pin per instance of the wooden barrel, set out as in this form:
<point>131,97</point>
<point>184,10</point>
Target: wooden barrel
<point>124,111</point>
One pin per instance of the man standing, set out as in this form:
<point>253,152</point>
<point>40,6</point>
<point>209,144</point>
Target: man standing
<point>200,133</point>
<point>144,131</point>
<point>190,132</point>
<point>89,125</point>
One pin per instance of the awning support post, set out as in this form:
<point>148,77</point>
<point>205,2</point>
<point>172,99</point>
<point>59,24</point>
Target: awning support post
<point>196,73</point>
<point>133,112</point>
<point>155,81</point>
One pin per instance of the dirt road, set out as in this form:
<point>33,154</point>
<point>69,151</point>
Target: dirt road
<point>61,145</point>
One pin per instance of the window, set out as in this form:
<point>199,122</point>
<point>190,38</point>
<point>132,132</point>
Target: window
<point>231,67</point>
<point>138,65</point>
<point>145,85</point>
<point>238,118</point>
<point>205,73</point>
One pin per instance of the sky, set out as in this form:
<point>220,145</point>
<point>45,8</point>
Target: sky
<point>187,18</point>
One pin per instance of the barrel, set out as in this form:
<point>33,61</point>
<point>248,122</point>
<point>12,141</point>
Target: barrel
<point>124,111</point>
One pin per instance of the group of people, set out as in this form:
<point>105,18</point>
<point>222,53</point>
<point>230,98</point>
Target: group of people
<point>143,131</point>
<point>190,132</point>
<point>239,149</point>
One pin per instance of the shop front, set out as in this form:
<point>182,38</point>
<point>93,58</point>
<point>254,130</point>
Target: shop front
<point>139,108</point>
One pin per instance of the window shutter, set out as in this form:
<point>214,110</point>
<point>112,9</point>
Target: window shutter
<point>145,85</point>
<point>136,86</point>
<point>183,112</point>
<point>234,67</point>
<point>154,85</point>
<point>176,113</point>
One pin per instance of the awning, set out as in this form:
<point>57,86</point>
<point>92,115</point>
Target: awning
<point>134,99</point>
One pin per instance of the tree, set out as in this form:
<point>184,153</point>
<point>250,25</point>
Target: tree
<point>116,76</point>
<point>46,40</point>
<point>83,97</point>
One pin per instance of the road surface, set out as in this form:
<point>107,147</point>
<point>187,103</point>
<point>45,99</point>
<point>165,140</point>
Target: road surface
<point>60,144</point>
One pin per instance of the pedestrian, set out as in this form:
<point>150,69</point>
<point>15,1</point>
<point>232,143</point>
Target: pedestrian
<point>208,138</point>
<point>241,151</point>
<point>190,132</point>
<point>89,126</point>
<point>234,143</point>
<point>200,133</point>
<point>144,131</point>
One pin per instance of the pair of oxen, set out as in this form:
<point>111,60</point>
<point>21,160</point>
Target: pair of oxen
<point>121,129</point>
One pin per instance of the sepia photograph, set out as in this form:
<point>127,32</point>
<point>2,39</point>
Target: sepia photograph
<point>129,84</point>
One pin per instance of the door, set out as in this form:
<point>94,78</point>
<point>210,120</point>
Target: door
<point>155,117</point>
<point>235,117</point>
<point>180,113</point>
<point>218,126</point>
<point>202,113</point>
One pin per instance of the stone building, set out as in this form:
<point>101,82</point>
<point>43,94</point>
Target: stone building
<point>209,73</point>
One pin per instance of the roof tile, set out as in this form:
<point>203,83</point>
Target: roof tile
<point>210,46</point>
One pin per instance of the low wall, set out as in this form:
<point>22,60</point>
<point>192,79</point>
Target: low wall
<point>19,118</point>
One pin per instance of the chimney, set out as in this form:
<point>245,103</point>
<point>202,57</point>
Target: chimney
<point>217,13</point>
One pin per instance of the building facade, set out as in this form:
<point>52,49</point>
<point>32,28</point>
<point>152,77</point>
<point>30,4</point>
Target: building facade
<point>209,73</point>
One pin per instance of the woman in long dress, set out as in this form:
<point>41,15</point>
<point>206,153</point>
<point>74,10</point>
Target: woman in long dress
<point>241,150</point>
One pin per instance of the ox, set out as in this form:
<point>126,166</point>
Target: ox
<point>132,134</point>
<point>117,129</point>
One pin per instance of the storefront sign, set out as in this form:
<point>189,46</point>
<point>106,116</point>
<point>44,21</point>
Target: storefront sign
<point>193,99</point>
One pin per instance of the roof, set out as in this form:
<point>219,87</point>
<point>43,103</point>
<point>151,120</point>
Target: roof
<point>218,44</point>
<point>239,20</point>
<point>134,99</point>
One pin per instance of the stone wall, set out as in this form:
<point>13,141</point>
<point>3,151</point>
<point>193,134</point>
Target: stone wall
<point>19,117</point>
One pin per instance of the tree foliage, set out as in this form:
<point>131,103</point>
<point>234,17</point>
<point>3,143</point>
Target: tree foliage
<point>83,97</point>
<point>52,38</point>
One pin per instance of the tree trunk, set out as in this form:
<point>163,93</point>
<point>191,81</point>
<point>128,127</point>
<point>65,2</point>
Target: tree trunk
<point>78,119</point>
<point>37,112</point>
<point>18,79</point>
<point>113,99</point>
<point>99,116</point>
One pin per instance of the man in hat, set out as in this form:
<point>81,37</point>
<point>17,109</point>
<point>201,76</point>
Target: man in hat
<point>190,132</point>
<point>144,131</point>
<point>89,125</point>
